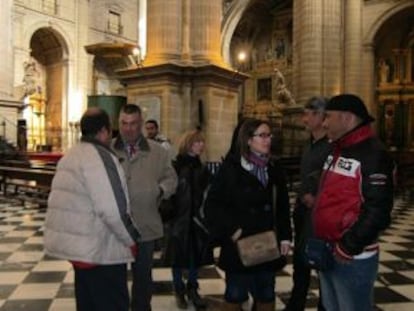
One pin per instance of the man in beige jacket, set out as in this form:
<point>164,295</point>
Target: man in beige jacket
<point>150,177</point>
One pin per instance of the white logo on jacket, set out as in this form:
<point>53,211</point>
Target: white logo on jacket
<point>343,166</point>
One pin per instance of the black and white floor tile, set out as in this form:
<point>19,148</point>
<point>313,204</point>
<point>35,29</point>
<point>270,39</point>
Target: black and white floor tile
<point>30,281</point>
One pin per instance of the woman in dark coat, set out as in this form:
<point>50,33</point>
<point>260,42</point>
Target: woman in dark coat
<point>240,204</point>
<point>184,248</point>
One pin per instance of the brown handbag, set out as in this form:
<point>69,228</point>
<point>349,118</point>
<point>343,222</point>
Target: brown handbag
<point>258,248</point>
<point>261,247</point>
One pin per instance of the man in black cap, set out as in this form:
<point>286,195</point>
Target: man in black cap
<point>354,204</point>
<point>311,165</point>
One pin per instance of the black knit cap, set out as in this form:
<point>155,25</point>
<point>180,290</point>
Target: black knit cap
<point>351,103</point>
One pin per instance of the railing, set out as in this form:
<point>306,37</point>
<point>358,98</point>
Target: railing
<point>28,140</point>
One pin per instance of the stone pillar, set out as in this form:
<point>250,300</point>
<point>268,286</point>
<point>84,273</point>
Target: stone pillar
<point>331,47</point>
<point>164,34</point>
<point>205,31</point>
<point>352,46</point>
<point>6,50</point>
<point>316,46</point>
<point>409,66</point>
<point>82,8</point>
<point>406,65</point>
<point>185,74</point>
<point>367,74</point>
<point>185,48</point>
<point>397,66</point>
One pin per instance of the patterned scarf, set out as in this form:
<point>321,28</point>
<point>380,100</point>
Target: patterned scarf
<point>259,167</point>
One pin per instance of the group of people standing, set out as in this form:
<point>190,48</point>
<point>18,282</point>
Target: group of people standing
<point>103,209</point>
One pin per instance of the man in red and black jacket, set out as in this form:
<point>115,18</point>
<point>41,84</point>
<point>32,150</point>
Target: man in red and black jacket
<point>353,205</point>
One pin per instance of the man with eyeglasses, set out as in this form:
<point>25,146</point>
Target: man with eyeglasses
<point>311,165</point>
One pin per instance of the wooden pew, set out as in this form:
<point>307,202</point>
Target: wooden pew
<point>31,184</point>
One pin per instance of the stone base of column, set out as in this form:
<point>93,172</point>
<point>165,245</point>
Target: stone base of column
<point>186,97</point>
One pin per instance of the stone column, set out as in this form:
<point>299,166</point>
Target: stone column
<point>6,50</point>
<point>316,46</point>
<point>367,74</point>
<point>409,62</point>
<point>331,47</point>
<point>185,48</point>
<point>164,35</point>
<point>397,66</point>
<point>205,31</point>
<point>83,80</point>
<point>352,46</point>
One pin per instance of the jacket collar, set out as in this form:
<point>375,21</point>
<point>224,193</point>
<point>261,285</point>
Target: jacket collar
<point>143,144</point>
<point>355,136</point>
<point>94,141</point>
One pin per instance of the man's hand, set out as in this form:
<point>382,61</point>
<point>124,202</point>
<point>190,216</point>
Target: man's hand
<point>309,200</point>
<point>285,247</point>
<point>340,255</point>
<point>134,250</point>
<point>236,235</point>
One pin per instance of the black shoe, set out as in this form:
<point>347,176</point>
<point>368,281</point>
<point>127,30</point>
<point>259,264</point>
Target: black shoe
<point>180,300</point>
<point>192,293</point>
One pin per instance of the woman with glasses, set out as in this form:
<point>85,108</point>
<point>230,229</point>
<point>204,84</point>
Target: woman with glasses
<point>249,196</point>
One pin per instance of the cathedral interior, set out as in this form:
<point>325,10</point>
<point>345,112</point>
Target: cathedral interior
<point>188,64</point>
<point>204,64</point>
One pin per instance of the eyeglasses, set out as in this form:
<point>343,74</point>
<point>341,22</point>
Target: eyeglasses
<point>263,135</point>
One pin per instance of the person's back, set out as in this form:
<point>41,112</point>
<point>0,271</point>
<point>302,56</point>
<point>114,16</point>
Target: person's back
<point>77,186</point>
<point>88,218</point>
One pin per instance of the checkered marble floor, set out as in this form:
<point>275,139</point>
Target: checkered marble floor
<point>31,281</point>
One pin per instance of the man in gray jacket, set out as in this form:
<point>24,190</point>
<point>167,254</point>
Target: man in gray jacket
<point>150,178</point>
<point>88,218</point>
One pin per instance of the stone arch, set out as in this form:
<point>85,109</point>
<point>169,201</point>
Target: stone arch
<point>388,70</point>
<point>369,38</point>
<point>61,35</point>
<point>46,86</point>
<point>233,17</point>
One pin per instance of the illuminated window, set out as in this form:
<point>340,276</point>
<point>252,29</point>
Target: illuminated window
<point>50,6</point>
<point>114,22</point>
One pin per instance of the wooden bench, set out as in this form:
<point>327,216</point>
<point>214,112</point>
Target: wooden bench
<point>28,184</point>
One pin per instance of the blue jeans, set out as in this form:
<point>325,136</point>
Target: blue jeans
<point>261,286</point>
<point>141,292</point>
<point>177,274</point>
<point>350,286</point>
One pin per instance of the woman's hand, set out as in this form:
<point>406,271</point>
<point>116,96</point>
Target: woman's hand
<point>236,235</point>
<point>285,247</point>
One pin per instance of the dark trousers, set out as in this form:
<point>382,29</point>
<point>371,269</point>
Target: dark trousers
<point>102,288</point>
<point>141,293</point>
<point>260,284</point>
<point>301,271</point>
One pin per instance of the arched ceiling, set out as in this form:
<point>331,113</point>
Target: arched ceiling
<point>46,47</point>
<point>257,19</point>
<point>397,29</point>
<point>258,16</point>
